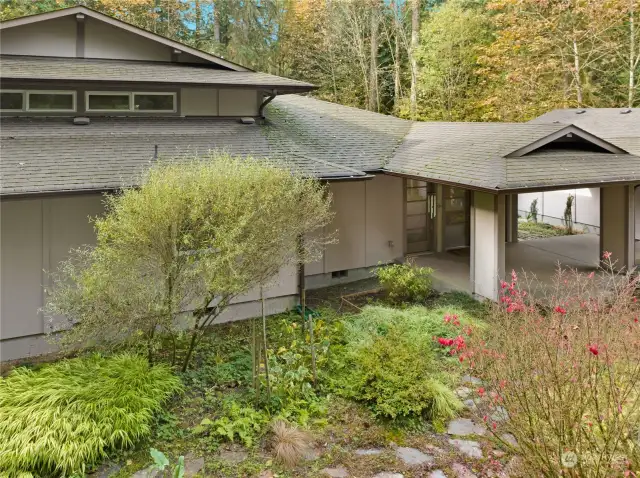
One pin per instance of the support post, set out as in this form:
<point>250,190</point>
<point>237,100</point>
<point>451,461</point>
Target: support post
<point>511,219</point>
<point>487,243</point>
<point>617,225</point>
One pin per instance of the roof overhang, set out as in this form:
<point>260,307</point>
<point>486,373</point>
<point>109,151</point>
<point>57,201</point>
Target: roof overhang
<point>81,10</point>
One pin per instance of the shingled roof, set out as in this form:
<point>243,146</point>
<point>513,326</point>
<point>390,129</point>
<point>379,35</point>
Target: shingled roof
<point>129,72</point>
<point>319,138</point>
<point>480,155</point>
<point>111,153</point>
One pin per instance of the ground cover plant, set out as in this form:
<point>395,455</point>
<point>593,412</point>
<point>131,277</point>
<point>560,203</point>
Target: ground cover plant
<point>66,417</point>
<point>564,367</point>
<point>405,282</point>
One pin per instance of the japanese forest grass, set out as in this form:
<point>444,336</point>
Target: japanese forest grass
<point>65,418</point>
<point>388,360</point>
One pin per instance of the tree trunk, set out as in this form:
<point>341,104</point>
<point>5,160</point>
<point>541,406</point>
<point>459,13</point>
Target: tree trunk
<point>577,74</point>
<point>415,40</point>
<point>632,52</point>
<point>198,32</point>
<point>373,59</point>
<point>396,58</point>
<point>216,22</point>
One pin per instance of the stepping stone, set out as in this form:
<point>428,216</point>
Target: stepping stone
<point>462,471</point>
<point>468,447</point>
<point>388,474</point>
<point>470,404</point>
<point>464,427</point>
<point>500,415</point>
<point>233,457</point>
<point>266,474</point>
<point>193,466</point>
<point>463,392</point>
<point>150,472</point>
<point>413,456</point>
<point>368,451</point>
<point>471,380</point>
<point>510,439</point>
<point>437,474</point>
<point>339,472</point>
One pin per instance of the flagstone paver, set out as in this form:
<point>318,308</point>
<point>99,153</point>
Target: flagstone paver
<point>413,456</point>
<point>368,451</point>
<point>468,447</point>
<point>437,474</point>
<point>464,427</point>
<point>339,472</point>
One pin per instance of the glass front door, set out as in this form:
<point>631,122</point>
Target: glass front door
<point>420,216</point>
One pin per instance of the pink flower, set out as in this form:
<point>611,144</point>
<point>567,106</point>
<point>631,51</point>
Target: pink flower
<point>446,342</point>
<point>593,348</point>
<point>503,284</point>
<point>591,274</point>
<point>606,255</point>
<point>481,391</point>
<point>560,310</point>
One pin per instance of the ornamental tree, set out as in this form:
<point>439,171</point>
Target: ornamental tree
<point>178,249</point>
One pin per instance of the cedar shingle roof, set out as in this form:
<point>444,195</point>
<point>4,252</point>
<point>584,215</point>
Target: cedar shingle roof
<point>126,71</point>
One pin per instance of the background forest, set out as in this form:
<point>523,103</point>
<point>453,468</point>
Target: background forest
<point>456,60</point>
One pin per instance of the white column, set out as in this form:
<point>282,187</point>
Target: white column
<point>617,224</point>
<point>487,243</point>
<point>511,218</point>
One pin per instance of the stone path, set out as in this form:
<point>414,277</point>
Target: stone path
<point>413,456</point>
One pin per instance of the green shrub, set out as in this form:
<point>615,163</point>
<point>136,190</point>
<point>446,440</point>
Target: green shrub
<point>66,417</point>
<point>405,282</point>
<point>238,422</point>
<point>389,361</point>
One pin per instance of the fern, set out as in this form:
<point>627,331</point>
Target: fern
<point>66,417</point>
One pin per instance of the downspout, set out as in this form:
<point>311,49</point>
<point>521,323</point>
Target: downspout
<point>268,100</point>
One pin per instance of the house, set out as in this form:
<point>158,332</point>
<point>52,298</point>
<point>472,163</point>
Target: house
<point>89,101</point>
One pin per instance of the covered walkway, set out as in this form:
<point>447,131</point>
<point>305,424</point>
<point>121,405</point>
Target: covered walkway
<point>536,256</point>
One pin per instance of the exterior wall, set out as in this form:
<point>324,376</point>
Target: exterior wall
<point>200,101</point>
<point>369,225</point>
<point>238,103</point>
<point>51,38</point>
<point>106,41</point>
<point>551,204</point>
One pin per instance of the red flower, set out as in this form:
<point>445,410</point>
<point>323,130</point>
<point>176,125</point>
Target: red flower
<point>593,348</point>
<point>481,391</point>
<point>446,342</point>
<point>560,310</point>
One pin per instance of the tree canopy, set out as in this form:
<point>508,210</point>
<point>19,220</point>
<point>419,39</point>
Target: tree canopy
<point>504,60</point>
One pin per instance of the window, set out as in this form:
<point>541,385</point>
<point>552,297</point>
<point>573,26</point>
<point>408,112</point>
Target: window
<point>11,100</point>
<point>144,102</point>
<point>108,101</point>
<point>154,102</point>
<point>51,100</point>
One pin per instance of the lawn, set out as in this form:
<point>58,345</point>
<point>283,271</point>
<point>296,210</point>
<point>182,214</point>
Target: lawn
<point>539,230</point>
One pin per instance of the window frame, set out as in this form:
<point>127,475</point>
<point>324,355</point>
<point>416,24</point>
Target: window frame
<point>132,106</point>
<point>28,93</point>
<point>106,93</point>
<point>24,101</point>
<point>173,95</point>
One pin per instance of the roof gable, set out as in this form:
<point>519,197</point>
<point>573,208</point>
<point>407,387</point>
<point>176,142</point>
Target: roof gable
<point>104,26</point>
<point>569,135</point>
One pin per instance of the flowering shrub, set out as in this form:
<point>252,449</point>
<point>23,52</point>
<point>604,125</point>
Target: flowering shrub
<point>563,364</point>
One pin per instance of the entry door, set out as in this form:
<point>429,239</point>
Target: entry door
<point>420,216</point>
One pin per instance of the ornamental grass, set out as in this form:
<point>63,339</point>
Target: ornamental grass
<point>66,417</point>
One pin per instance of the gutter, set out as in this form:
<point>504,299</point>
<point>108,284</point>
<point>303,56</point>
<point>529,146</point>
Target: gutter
<point>269,99</point>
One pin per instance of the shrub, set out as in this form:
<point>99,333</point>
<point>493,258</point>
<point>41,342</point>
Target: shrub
<point>66,417</point>
<point>405,282</point>
<point>565,366</point>
<point>389,361</point>
<point>237,423</point>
